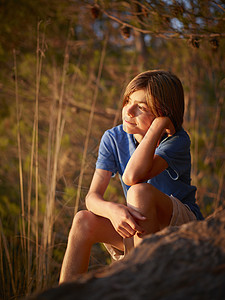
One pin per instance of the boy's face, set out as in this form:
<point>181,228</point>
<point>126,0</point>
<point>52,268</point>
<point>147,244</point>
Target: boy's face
<point>136,115</point>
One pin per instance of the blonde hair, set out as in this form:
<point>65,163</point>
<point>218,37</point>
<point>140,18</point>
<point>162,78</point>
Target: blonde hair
<point>164,94</point>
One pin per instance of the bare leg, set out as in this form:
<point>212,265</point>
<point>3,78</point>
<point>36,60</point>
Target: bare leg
<point>87,229</point>
<point>153,204</point>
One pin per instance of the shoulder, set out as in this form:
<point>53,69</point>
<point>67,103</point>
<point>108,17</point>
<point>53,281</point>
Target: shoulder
<point>182,136</point>
<point>180,141</point>
<point>118,141</point>
<point>117,130</point>
<point>116,134</point>
<point>183,133</point>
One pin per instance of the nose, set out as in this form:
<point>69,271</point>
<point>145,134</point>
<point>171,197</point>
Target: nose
<point>131,110</point>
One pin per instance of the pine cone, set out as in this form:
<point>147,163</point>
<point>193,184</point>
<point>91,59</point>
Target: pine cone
<point>95,11</point>
<point>177,10</point>
<point>125,31</point>
<point>214,43</point>
<point>194,42</point>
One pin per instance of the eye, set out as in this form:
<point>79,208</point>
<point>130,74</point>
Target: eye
<point>126,101</point>
<point>142,107</point>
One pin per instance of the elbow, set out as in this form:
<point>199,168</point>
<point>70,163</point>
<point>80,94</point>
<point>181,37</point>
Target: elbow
<point>133,179</point>
<point>87,198</point>
<point>129,179</point>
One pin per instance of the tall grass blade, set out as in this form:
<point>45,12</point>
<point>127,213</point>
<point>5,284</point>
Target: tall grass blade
<point>90,125</point>
<point>39,56</point>
<point>47,238</point>
<point>8,258</point>
<point>19,154</point>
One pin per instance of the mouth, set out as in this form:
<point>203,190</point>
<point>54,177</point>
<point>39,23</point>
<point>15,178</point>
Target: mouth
<point>130,123</point>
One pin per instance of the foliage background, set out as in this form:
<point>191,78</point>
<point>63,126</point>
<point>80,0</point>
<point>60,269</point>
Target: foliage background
<point>64,65</point>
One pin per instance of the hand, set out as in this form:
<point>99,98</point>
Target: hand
<point>124,220</point>
<point>164,124</point>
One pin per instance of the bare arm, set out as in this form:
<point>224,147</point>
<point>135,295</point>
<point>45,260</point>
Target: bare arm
<point>94,199</point>
<point>123,218</point>
<point>144,164</point>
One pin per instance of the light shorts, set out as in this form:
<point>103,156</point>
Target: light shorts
<point>181,214</point>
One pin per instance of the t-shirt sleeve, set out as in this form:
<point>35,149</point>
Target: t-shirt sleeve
<point>176,152</point>
<point>106,157</point>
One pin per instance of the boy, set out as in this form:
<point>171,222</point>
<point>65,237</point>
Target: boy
<point>151,153</point>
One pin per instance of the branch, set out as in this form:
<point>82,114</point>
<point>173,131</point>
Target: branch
<point>165,35</point>
<point>220,6</point>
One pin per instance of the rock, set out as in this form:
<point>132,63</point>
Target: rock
<point>186,262</point>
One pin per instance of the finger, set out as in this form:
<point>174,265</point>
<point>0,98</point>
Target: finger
<point>141,234</point>
<point>131,222</point>
<point>124,233</point>
<point>129,229</point>
<point>136,214</point>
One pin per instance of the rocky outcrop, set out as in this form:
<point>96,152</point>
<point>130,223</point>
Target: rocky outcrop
<point>186,262</point>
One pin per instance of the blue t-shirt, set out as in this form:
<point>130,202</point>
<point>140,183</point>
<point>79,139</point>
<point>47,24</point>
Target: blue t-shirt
<point>117,146</point>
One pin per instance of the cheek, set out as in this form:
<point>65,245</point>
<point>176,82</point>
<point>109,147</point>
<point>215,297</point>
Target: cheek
<point>123,112</point>
<point>147,121</point>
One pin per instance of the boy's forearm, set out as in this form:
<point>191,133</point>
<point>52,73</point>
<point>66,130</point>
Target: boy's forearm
<point>96,204</point>
<point>141,162</point>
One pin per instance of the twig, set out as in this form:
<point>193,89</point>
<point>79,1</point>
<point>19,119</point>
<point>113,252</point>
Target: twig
<point>90,125</point>
<point>8,257</point>
<point>220,6</point>
<point>165,35</point>
<point>19,152</point>
<point>39,56</point>
<point>217,119</point>
<point>49,220</point>
<point>221,185</point>
<point>118,111</point>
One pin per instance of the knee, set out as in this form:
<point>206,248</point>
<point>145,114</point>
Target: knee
<point>82,224</point>
<point>139,194</point>
<point>138,189</point>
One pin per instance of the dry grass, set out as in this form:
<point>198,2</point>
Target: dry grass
<point>90,121</point>
<point>35,252</point>
<point>26,259</point>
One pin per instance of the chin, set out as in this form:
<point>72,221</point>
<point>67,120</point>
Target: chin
<point>124,128</point>
<point>127,130</point>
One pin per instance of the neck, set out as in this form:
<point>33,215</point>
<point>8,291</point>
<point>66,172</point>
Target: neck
<point>138,138</point>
